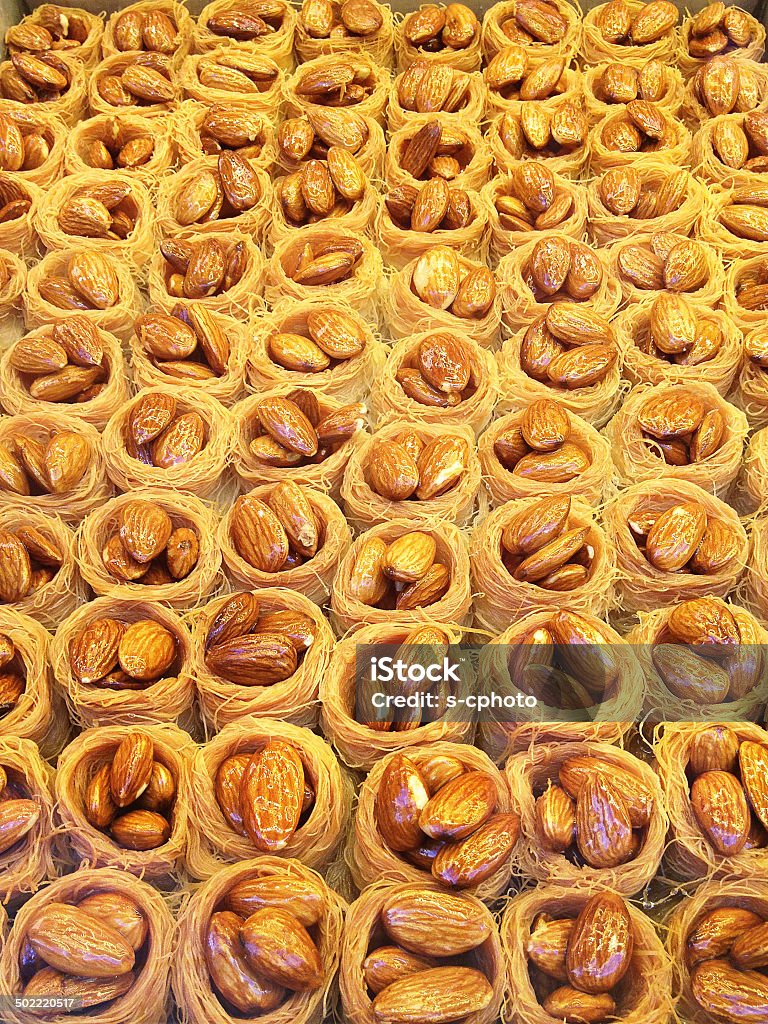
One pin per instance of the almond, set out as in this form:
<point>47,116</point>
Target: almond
<point>601,944</point>
<point>17,819</point>
<point>303,897</point>
<point>271,794</point>
<point>367,581</point>
<point>144,529</point>
<point>236,617</point>
<point>391,471</point>
<point>706,621</point>
<point>99,805</point>
<point>713,935</point>
<point>15,568</point>
<point>226,788</point>
<point>150,416</point>
<point>721,810</point>
<point>436,277</point>
<point>140,830</point>
<point>753,760</point>
<point>551,556</point>
<point>423,920</point>
<point>460,807</point>
<point>147,650</point>
<point>545,425</point>
<point>296,515</point>
<point>675,535</point>
<point>253,659</point>
<point>714,748</point>
<point>131,768</point>
<point>118,912</point>
<point>258,534</point>
<point>441,465</point>
<point>576,325</point>
<point>401,797</point>
<point>472,860</point>
<point>93,651</point>
<point>73,942</point>
<point>287,424</point>
<point>444,993</point>
<point>408,557</point>
<point>547,945</point>
<point>388,964</point>
<point>727,992</point>
<point>575,771</point>
<point>432,586</point>
<point>555,820</point>
<point>603,831</point>
<point>338,334</point>
<point>281,950</point>
<point>537,525</point>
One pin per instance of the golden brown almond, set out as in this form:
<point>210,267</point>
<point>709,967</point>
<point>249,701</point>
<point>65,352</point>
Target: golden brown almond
<point>721,809</point>
<point>546,947</point>
<point>271,794</point>
<point>73,942</point>
<point>603,836</point>
<point>714,934</point>
<point>234,977</point>
<point>401,797</point>
<point>555,820</point>
<point>600,945</point>
<point>392,472</point>
<point>459,807</point>
<point>450,992</point>
<point>412,919</point>
<point>279,947</point>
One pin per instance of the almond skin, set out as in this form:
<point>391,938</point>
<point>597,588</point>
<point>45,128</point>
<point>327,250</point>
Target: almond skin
<point>236,617</point>
<point>575,771</point>
<point>390,963</point>
<point>714,749</point>
<point>17,819</point>
<point>423,920</point>
<point>434,996</point>
<point>392,473</point>
<point>753,761</point>
<point>131,768</point>
<point>555,820</point>
<point>477,857</point>
<point>460,807</point>
<point>93,651</point>
<point>147,650</point>
<point>73,942</point>
<point>281,950</point>
<point>441,465</point>
<point>548,944</point>
<point>721,809</point>
<point>714,934</point>
<point>729,993</point>
<point>271,794</point>
<point>254,659</point>
<point>304,898</point>
<point>603,827</point>
<point>601,943</point>
<point>258,534</point>
<point>538,524</point>
<point>409,556</point>
<point>401,797</point>
<point>226,787</point>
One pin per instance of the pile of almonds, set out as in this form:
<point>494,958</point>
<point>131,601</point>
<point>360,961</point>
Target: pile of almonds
<point>434,29</point>
<point>90,951</point>
<point>578,964</point>
<point>156,435</point>
<point>664,261</point>
<point>338,82</point>
<point>539,449</point>
<point>323,19</point>
<point>540,132</point>
<point>119,147</point>
<point>139,80</point>
<point>684,539</point>
<point>29,559</point>
<point>436,150</point>
<point>643,127</point>
<point>426,88</point>
<point>265,795</point>
<point>727,953</point>
<point>90,282</point>
<point>624,193</point>
<point>433,207</point>
<point>322,188</point>
<point>29,466</point>
<point>276,535</point>
<point>560,268</point>
<point>238,71</point>
<point>678,333</point>
<point>429,941</point>
<point>331,337</point>
<point>18,812</point>
<point>52,28</point>
<point>728,792</point>
<point>188,343</point>
<point>150,30</point>
<point>571,814</point>
<point>442,817</point>
<point>443,280</point>
<point>246,23</point>
<point>147,548</point>
<point>259,946</point>
<point>745,215</point>
<point>742,144</point>
<point>570,347</point>
<point>401,575</point>
<point>620,83</point>
<point>254,648</point>
<point>107,210</point>
<point>405,466</point>
<point>535,21</point>
<point>319,263</point>
<point>35,78</point>
<point>23,146</point>
<point>719,29</point>
<point>217,193</point>
<point>709,653</point>
<point>292,431</point>
<point>617,23</point>
<point>117,655</point>
<point>679,427</point>
<point>197,269</point>
<point>227,127</point>
<point>510,75</point>
<point>313,134</point>
<point>531,200</point>
<point>439,372</point>
<point>725,86</point>
<point>130,797</point>
<point>567,662</point>
<point>538,546</point>
<point>67,365</point>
